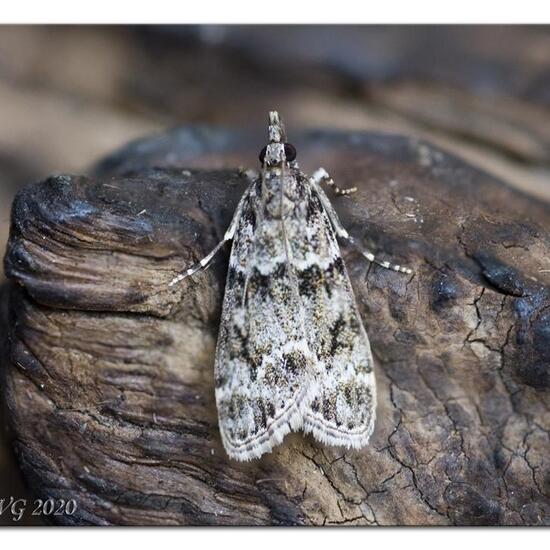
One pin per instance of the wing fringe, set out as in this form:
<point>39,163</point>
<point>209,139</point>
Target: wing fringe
<point>290,420</point>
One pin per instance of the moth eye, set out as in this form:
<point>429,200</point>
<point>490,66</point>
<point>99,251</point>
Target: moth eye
<point>290,152</point>
<point>262,154</point>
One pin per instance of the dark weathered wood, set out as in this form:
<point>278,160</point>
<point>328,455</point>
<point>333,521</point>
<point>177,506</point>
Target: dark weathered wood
<point>109,379</point>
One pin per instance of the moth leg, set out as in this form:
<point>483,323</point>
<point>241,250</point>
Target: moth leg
<point>371,257</point>
<point>342,232</point>
<point>322,176</point>
<point>205,262</point>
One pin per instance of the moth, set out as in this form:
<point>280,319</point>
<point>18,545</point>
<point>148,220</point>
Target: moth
<point>292,352</point>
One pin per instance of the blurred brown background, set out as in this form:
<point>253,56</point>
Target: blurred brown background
<point>69,95</point>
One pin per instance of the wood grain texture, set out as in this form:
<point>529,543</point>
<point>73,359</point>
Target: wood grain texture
<point>108,375</point>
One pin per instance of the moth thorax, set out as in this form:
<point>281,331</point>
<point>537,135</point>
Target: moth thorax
<point>280,202</point>
<point>277,209</point>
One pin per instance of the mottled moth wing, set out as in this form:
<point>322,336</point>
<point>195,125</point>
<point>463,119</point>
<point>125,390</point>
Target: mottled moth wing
<point>262,357</point>
<point>342,409</point>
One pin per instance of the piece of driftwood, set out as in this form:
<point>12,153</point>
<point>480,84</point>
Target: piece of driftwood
<point>109,372</point>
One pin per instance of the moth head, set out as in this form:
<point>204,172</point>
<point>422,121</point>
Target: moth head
<point>277,151</point>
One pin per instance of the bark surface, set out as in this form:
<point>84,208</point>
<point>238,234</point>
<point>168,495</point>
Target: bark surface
<point>108,372</point>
